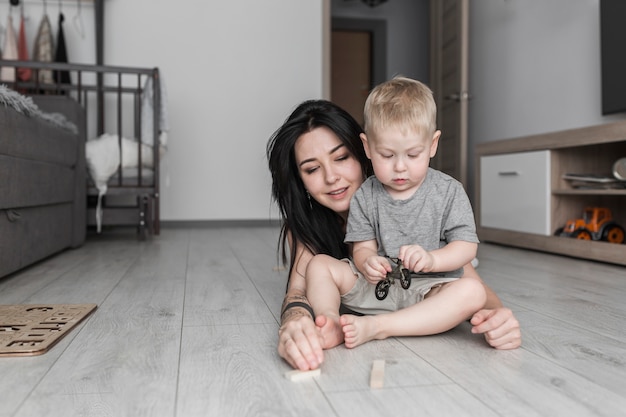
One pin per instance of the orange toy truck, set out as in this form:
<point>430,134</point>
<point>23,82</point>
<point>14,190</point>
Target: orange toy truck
<point>596,224</point>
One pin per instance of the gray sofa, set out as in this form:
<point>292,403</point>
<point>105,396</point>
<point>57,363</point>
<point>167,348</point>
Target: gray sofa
<point>42,183</point>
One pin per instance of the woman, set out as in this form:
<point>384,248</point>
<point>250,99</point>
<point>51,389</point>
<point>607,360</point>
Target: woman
<point>317,162</point>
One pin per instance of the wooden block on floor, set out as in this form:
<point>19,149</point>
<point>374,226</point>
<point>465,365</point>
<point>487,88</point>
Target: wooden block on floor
<point>296,375</point>
<point>377,377</point>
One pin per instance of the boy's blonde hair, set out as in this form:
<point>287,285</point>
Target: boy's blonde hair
<point>403,103</point>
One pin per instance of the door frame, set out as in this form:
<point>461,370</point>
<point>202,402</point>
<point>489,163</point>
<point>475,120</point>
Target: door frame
<point>452,96</point>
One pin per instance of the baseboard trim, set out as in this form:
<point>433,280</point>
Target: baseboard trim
<point>215,224</point>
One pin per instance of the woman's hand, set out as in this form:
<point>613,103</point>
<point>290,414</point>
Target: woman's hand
<point>500,327</point>
<point>299,343</point>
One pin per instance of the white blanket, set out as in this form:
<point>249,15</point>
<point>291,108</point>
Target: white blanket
<point>103,161</point>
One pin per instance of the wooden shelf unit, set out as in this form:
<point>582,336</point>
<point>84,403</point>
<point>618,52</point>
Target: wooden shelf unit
<point>586,150</point>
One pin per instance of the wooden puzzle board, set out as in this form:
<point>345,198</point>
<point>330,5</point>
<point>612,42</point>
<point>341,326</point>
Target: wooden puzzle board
<point>28,330</point>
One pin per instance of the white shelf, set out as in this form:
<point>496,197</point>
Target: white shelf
<point>586,150</point>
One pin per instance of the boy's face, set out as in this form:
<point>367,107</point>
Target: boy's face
<point>400,159</point>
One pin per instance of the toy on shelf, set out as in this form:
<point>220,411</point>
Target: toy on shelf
<point>596,224</point>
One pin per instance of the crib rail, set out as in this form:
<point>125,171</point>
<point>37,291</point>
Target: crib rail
<point>112,99</point>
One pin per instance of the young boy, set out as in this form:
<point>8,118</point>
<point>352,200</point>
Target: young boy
<point>407,211</point>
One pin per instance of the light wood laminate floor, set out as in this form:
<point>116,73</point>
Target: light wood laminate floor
<point>187,325</point>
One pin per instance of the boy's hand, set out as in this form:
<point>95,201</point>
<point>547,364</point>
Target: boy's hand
<point>376,268</point>
<point>416,259</point>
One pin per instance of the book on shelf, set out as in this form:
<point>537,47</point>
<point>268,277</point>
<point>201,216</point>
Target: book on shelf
<point>594,181</point>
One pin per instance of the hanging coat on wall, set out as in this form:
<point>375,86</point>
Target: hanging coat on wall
<point>43,49</point>
<point>23,74</point>
<point>7,74</point>
<point>62,77</point>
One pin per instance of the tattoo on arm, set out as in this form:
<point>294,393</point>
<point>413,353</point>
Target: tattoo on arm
<point>291,313</point>
<point>294,299</point>
<point>296,305</point>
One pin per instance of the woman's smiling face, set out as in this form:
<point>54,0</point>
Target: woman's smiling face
<point>330,173</point>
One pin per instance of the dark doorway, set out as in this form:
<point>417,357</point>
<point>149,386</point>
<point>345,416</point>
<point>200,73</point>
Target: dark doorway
<point>358,61</point>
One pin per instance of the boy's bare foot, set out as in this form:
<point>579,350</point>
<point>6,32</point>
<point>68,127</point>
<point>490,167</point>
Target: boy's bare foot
<point>358,330</point>
<point>330,330</point>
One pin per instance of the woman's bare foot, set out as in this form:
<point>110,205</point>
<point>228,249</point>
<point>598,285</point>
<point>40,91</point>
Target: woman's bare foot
<point>330,330</point>
<point>358,330</point>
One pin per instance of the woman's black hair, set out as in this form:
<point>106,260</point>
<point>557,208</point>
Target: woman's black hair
<point>318,228</point>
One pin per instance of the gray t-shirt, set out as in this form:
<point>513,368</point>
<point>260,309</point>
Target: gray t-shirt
<point>438,212</point>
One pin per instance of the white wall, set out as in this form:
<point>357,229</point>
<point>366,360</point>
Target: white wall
<point>233,70</point>
<point>534,68</point>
